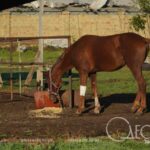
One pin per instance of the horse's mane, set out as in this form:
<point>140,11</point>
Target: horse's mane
<point>61,57</point>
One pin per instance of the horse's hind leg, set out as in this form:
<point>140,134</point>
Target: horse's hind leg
<point>140,101</point>
<point>94,88</point>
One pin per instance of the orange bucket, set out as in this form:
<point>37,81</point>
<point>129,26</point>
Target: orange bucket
<point>42,100</point>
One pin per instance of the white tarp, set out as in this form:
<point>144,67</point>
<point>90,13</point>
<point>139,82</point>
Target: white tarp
<point>63,43</point>
<point>97,4</point>
<point>122,3</point>
<point>94,4</point>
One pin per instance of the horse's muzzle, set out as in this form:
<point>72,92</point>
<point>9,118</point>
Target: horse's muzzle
<point>54,98</point>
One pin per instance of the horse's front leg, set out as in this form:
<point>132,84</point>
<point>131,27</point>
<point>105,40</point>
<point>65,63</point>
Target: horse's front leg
<point>83,82</point>
<point>94,88</point>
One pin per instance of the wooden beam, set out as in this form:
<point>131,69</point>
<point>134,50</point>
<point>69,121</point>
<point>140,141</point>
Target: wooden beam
<point>15,39</point>
<point>40,58</point>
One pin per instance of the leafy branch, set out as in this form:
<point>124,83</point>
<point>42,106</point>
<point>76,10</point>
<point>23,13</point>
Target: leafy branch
<point>139,21</point>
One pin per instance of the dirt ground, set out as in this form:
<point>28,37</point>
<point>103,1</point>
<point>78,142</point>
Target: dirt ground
<point>16,123</point>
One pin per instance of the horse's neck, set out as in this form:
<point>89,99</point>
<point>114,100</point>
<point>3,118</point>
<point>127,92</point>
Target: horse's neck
<point>57,70</point>
<point>61,66</point>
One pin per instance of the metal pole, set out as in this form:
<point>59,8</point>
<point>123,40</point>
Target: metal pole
<point>39,72</point>
<point>70,81</point>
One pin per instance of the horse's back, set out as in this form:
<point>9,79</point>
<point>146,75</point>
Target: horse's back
<point>133,48</point>
<point>105,52</point>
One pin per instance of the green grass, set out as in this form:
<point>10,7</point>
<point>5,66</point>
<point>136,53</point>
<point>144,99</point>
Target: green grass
<point>121,81</point>
<point>49,56</point>
<point>29,54</point>
<point>82,145</point>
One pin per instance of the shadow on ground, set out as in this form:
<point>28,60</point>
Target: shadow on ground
<point>107,101</point>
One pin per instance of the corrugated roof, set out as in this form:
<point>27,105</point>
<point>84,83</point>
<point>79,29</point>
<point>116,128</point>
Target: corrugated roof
<point>112,2</point>
<point>80,6</point>
<point>5,4</point>
<point>109,2</point>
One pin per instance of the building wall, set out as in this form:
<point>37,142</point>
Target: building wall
<point>76,25</point>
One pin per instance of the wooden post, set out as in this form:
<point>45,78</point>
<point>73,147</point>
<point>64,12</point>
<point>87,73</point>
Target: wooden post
<point>11,59</point>
<point>11,71</point>
<point>40,69</point>
<point>1,81</point>
<point>70,81</point>
<point>19,59</point>
<point>31,72</point>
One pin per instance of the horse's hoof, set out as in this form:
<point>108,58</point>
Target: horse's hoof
<point>140,111</point>
<point>96,110</point>
<point>134,109</point>
<point>79,112</point>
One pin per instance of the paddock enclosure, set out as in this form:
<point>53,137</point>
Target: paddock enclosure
<point>19,66</point>
<point>27,52</point>
<point>17,120</point>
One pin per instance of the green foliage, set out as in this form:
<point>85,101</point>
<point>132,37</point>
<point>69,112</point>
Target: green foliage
<point>144,5</point>
<point>138,22</point>
<point>78,145</point>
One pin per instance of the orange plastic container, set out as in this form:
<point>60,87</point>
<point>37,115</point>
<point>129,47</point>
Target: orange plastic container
<point>42,100</point>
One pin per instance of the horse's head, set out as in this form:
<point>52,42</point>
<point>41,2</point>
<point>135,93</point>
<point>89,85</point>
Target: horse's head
<point>54,85</point>
<point>54,89</point>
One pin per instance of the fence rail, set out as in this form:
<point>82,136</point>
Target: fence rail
<point>15,39</point>
<point>24,63</point>
<point>11,40</point>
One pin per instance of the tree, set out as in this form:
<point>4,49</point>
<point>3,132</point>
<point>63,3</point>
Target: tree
<point>139,21</point>
<point>144,5</point>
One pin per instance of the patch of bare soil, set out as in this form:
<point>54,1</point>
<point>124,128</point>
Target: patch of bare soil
<point>15,121</point>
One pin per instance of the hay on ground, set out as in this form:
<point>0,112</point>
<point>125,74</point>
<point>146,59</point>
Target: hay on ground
<point>47,112</point>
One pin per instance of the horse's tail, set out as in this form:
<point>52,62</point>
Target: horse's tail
<point>147,41</point>
<point>147,46</point>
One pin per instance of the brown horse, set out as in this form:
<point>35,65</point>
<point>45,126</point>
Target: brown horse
<point>91,54</point>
